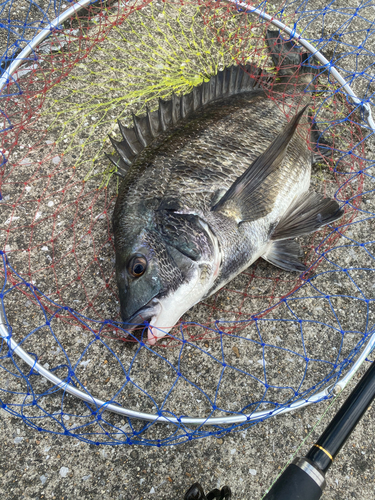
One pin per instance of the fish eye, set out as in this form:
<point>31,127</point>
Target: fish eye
<point>137,266</point>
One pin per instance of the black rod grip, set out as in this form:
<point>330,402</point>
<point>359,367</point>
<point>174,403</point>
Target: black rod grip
<point>341,426</point>
<point>294,484</point>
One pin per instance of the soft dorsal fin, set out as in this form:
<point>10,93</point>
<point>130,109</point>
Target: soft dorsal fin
<point>250,197</point>
<point>231,81</point>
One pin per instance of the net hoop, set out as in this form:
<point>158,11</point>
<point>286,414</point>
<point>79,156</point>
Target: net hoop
<point>56,23</point>
<point>237,419</point>
<point>332,70</point>
<point>253,417</point>
<point>39,38</point>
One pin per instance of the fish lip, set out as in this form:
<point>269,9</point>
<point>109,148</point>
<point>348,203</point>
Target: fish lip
<point>142,317</point>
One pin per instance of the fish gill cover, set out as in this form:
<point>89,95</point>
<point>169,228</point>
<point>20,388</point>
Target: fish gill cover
<point>269,337</point>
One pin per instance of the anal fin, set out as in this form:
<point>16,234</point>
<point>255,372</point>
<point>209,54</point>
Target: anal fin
<point>285,255</point>
<point>308,213</point>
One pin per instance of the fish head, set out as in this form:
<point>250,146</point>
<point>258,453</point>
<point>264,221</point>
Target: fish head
<point>163,270</point>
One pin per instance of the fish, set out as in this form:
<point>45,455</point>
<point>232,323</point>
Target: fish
<point>212,181</point>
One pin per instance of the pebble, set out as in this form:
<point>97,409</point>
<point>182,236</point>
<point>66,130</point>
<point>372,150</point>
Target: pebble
<point>64,471</point>
<point>236,351</point>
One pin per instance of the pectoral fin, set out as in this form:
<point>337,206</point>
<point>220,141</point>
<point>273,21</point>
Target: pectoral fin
<point>251,197</point>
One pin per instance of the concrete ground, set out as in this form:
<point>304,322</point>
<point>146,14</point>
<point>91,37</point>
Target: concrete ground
<point>45,465</point>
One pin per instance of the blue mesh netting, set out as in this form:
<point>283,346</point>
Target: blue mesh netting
<point>21,21</point>
<point>267,340</point>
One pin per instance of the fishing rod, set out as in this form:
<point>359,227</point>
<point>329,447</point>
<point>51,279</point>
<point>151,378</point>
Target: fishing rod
<point>304,478</point>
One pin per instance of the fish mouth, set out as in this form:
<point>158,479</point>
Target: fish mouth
<point>145,317</point>
<point>149,317</point>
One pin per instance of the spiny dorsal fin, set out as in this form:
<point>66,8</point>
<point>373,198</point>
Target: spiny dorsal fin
<point>130,142</point>
<point>231,81</point>
<point>250,197</point>
<point>121,171</point>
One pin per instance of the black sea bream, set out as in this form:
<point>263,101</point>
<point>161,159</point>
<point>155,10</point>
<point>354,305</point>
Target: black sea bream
<point>213,180</point>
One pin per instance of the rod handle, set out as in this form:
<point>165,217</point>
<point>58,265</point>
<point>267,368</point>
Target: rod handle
<point>301,480</point>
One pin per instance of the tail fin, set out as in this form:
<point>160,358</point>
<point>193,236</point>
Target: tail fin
<point>288,56</point>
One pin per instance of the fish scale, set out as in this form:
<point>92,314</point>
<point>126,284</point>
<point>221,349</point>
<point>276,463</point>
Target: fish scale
<point>187,176</point>
<point>213,181</point>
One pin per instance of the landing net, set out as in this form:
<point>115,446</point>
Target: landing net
<point>268,342</point>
